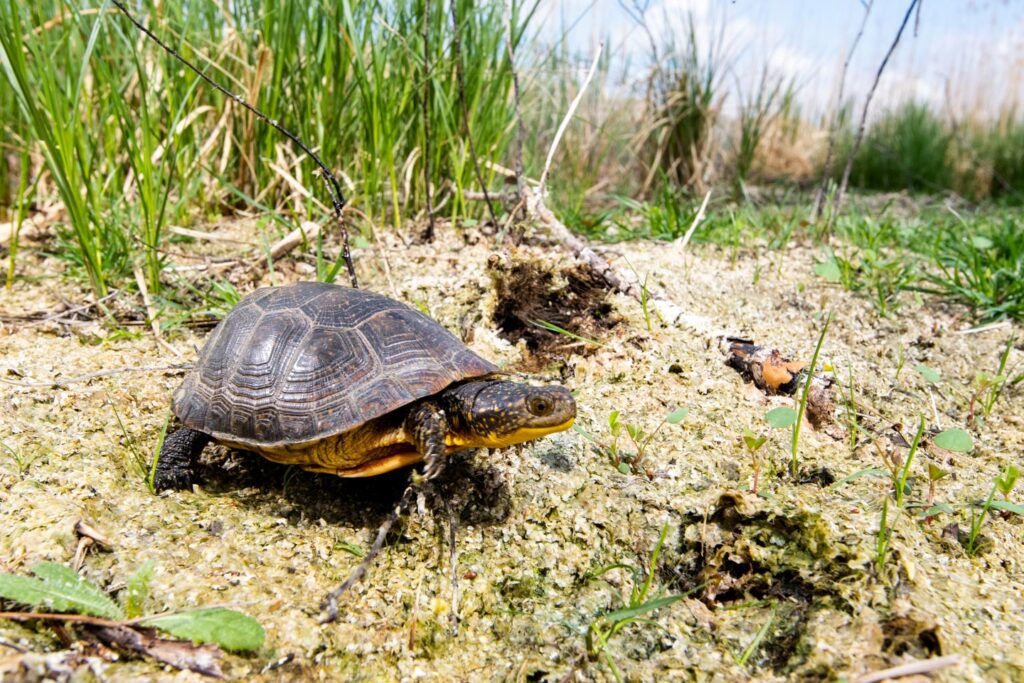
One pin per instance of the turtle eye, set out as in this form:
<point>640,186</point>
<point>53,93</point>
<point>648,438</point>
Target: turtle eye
<point>540,406</point>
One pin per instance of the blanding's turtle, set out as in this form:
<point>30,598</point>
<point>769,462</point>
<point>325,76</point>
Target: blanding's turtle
<point>348,382</point>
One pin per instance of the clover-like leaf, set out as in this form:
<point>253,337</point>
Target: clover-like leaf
<point>956,440</point>
<point>779,418</point>
<point>677,416</point>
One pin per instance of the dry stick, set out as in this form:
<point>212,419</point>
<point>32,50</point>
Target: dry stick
<point>567,118</point>
<point>62,383</point>
<point>923,666</point>
<point>333,187</point>
<point>864,114</point>
<point>685,239</point>
<point>330,603</point>
<point>833,125</point>
<point>429,234</point>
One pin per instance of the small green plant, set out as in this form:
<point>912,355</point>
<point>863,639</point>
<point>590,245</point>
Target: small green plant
<point>883,537</point>
<point>17,454</point>
<point>606,626</point>
<point>631,462</point>
<point>56,588</point>
<point>1004,484</point>
<point>759,637</point>
<point>753,444</point>
<point>935,475</point>
<point>902,474</point>
<point>988,387</point>
<point>901,360</point>
<point>804,395</point>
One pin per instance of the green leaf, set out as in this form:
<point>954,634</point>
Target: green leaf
<point>649,606</point>
<point>677,416</point>
<point>59,589</point>
<point>225,627</point>
<point>935,473</point>
<point>981,242</point>
<point>866,472</point>
<point>624,468</point>
<point>956,440</point>
<point>937,509</point>
<point>779,418</point>
<point>932,376</point>
<point>752,441</point>
<point>828,269</point>
<point>1008,480</point>
<point>138,590</point>
<point>635,432</point>
<point>1015,508</point>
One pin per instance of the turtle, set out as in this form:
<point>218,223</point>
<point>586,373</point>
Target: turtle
<point>348,382</point>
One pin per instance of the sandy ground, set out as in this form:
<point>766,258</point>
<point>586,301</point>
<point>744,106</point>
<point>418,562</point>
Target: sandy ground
<point>548,533</point>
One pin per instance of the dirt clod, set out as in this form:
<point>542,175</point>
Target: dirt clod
<point>534,299</point>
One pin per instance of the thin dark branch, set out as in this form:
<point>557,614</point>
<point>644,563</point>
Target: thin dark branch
<point>429,234</point>
<point>833,125</point>
<point>520,129</point>
<point>333,187</point>
<point>864,114</point>
<point>457,50</point>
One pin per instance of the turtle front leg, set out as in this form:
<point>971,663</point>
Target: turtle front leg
<point>177,459</point>
<point>427,427</point>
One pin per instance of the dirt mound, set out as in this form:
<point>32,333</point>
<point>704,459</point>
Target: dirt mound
<point>554,311</point>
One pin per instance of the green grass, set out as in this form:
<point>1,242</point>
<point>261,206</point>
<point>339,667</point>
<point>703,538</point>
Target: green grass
<point>133,141</point>
<point>908,148</point>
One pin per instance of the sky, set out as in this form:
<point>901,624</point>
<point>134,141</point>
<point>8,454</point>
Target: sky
<point>963,56</point>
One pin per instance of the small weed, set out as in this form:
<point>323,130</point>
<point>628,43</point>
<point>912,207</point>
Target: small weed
<point>606,626</point>
<point>935,474</point>
<point>753,444</point>
<point>749,651</point>
<point>137,461</point>
<point>551,327</point>
<point>58,588</point>
<point>21,461</point>
<point>1004,484</point>
<point>632,462</point>
<point>900,480</point>
<point>988,387</point>
<point>804,394</point>
<point>883,538</point>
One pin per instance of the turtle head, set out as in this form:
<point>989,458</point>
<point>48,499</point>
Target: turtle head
<point>497,413</point>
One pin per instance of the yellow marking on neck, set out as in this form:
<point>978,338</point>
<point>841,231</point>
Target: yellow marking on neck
<point>493,440</point>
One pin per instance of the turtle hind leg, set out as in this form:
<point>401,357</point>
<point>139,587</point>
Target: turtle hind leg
<point>177,459</point>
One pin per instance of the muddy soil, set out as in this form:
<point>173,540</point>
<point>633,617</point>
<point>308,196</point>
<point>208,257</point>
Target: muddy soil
<point>552,535</point>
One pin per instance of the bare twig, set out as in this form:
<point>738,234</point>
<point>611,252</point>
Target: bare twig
<point>457,50</point>
<point>333,187</point>
<point>305,232</point>
<point>685,239</point>
<point>864,114</point>
<point>330,603</point>
<point>833,125</point>
<point>52,616</point>
<point>429,234</point>
<point>567,118</point>
<point>923,666</point>
<point>58,383</point>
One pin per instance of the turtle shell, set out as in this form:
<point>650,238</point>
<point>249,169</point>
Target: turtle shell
<point>296,364</point>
